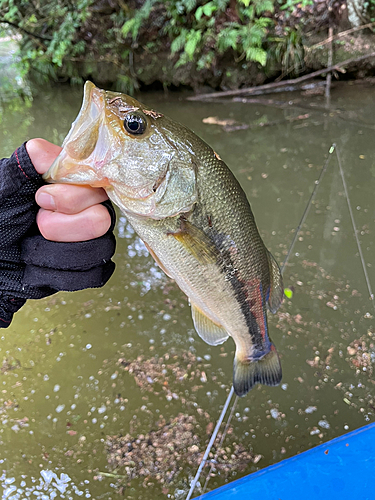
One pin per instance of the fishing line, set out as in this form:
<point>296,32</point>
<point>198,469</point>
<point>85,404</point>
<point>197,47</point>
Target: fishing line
<point>230,395</point>
<point>355,229</point>
<point>209,446</point>
<point>308,205</point>
<point>214,460</point>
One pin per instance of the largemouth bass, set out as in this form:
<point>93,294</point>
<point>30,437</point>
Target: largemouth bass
<point>190,211</point>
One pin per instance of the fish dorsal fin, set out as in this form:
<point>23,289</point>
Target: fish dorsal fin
<point>276,293</point>
<point>209,331</point>
<point>196,242</point>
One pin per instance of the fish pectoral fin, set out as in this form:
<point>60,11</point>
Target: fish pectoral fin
<point>196,242</point>
<point>209,331</point>
<point>266,370</point>
<point>276,293</point>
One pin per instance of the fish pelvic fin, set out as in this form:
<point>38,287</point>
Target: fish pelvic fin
<point>266,370</point>
<point>209,331</point>
<point>276,292</point>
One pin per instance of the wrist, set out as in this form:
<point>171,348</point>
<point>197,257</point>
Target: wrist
<point>8,306</point>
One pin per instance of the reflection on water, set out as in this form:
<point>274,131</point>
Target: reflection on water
<point>46,487</point>
<point>76,368</point>
<point>152,278</point>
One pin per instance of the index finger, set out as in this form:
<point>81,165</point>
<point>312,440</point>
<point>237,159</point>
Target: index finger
<point>42,154</point>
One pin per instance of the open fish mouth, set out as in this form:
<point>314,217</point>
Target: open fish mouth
<point>85,146</point>
<point>92,152</point>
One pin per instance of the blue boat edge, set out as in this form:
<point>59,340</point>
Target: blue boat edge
<point>341,468</point>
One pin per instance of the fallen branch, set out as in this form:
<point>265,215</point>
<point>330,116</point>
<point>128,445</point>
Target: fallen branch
<point>339,35</point>
<point>334,114</point>
<point>230,125</point>
<point>243,126</point>
<point>267,86</point>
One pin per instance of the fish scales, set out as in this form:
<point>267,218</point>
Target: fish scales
<point>186,205</point>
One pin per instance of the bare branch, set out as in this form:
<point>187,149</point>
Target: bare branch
<point>339,35</point>
<point>267,86</point>
<point>23,30</point>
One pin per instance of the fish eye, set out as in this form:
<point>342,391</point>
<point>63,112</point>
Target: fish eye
<point>135,123</point>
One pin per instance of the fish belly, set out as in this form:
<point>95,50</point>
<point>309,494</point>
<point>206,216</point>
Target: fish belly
<point>204,284</point>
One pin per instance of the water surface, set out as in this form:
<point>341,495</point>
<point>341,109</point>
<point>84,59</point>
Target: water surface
<point>62,388</point>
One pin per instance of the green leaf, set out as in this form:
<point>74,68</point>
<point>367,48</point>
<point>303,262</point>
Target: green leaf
<point>182,60</point>
<point>131,26</point>
<point>199,13</point>
<point>194,37</point>
<point>179,42</point>
<point>264,6</point>
<point>190,4</point>
<point>226,39</point>
<point>256,54</point>
<point>209,8</point>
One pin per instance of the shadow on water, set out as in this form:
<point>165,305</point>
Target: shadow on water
<point>83,374</point>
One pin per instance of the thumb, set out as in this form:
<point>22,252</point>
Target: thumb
<point>42,153</point>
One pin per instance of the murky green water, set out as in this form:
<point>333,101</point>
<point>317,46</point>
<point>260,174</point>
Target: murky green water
<point>62,388</point>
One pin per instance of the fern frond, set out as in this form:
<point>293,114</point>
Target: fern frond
<point>179,42</point>
<point>227,38</point>
<point>256,54</point>
<point>193,39</point>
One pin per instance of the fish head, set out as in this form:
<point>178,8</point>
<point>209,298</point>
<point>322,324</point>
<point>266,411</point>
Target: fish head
<point>136,154</point>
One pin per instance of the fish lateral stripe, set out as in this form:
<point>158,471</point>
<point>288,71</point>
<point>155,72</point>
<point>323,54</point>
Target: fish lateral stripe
<point>250,297</point>
<point>256,298</point>
<point>231,275</point>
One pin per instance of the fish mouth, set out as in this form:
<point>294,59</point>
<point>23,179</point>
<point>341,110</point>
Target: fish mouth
<point>75,164</point>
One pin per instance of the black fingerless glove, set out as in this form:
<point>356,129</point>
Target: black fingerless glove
<point>32,267</point>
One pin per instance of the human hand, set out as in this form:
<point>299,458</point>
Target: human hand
<point>77,243</point>
<point>68,212</point>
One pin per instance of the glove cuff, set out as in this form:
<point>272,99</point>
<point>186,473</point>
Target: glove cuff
<point>66,280</point>
<point>8,306</point>
<point>67,266</point>
<point>78,256</point>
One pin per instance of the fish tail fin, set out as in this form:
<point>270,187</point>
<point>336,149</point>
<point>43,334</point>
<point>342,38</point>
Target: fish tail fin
<point>266,370</point>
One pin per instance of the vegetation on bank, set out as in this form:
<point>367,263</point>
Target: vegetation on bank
<point>221,43</point>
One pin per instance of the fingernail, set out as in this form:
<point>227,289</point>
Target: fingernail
<point>46,201</point>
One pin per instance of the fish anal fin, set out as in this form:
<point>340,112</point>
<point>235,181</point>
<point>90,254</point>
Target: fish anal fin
<point>276,293</point>
<point>196,242</point>
<point>209,331</point>
<point>266,370</point>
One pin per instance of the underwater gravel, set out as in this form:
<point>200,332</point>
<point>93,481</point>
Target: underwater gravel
<point>160,373</point>
<point>173,448</point>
